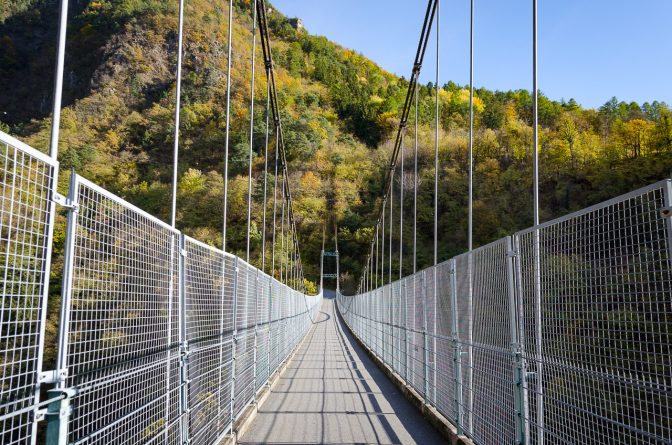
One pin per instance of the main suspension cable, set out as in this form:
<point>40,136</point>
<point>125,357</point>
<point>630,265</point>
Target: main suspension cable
<point>275,108</point>
<point>430,14</point>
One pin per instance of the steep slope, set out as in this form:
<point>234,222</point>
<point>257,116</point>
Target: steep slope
<point>340,110</point>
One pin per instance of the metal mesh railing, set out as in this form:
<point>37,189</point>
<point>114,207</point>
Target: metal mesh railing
<point>27,180</point>
<point>561,333</point>
<point>161,333</point>
<point>162,338</point>
<point>120,338</point>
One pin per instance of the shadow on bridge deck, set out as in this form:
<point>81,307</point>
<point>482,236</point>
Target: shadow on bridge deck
<point>332,393</point>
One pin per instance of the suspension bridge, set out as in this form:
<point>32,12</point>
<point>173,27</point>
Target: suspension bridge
<point>559,333</point>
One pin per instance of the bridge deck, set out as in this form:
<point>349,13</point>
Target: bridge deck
<point>332,393</point>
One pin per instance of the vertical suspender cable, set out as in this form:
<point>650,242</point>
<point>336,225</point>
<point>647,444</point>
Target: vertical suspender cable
<point>263,223</point>
<point>58,81</point>
<point>436,142</point>
<point>338,265</point>
<point>537,250</point>
<point>535,112</point>
<point>389,272</point>
<point>470,234</point>
<point>471,130</point>
<point>382,247</point>
<point>401,208</point>
<point>376,254</point>
<point>282,232</point>
<point>228,121</point>
<point>415,185</point>
<point>377,231</point>
<point>275,201</point>
<point>324,235</point>
<point>249,178</point>
<point>178,91</point>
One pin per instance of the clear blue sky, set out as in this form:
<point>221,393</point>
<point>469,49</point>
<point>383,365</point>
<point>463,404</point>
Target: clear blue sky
<point>590,50</point>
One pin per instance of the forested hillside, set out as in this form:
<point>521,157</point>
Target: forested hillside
<point>339,112</point>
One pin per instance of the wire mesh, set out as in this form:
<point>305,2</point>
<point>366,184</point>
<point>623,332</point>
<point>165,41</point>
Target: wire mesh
<point>150,332</point>
<point>122,329</point>
<point>560,334</point>
<point>208,294</point>
<point>595,290</point>
<point>445,400</point>
<point>27,179</point>
<point>147,323</point>
<point>485,341</point>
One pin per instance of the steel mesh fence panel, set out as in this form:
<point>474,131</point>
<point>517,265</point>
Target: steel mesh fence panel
<point>418,330</point>
<point>262,357</point>
<point>122,321</point>
<point>263,330</point>
<point>208,294</point>
<point>489,411</point>
<point>244,378</point>
<point>146,349</point>
<point>27,178</point>
<point>275,326</point>
<point>464,308</point>
<point>595,289</point>
<point>398,335</point>
<point>445,349</point>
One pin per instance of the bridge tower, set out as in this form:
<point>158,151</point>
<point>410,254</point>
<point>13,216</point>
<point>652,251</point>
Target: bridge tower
<point>334,274</point>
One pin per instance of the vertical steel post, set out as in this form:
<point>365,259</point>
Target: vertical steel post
<point>68,276</point>
<point>524,392</point>
<point>58,415</point>
<point>425,340</point>
<point>221,336</point>
<point>436,286</point>
<point>234,342</point>
<point>268,340</point>
<point>58,412</point>
<point>184,344</point>
<point>403,322</point>
<point>668,203</point>
<point>516,353</point>
<point>256,324</point>
<point>457,348</point>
